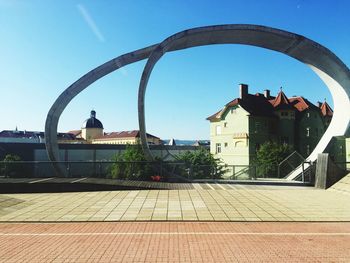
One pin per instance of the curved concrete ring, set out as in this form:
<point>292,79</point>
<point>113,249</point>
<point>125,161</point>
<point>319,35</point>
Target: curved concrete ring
<point>323,62</point>
<point>73,90</point>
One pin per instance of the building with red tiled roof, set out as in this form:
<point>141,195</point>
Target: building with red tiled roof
<point>16,136</point>
<point>243,124</point>
<point>92,132</point>
<point>125,137</point>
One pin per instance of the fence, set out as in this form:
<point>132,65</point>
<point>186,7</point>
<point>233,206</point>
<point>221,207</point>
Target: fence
<point>308,170</point>
<point>289,164</point>
<point>156,171</point>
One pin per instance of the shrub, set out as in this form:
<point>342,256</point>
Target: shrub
<point>201,164</point>
<point>269,155</point>
<point>9,168</point>
<point>131,165</point>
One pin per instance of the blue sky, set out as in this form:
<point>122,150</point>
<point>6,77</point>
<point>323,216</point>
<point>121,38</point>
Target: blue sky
<point>47,45</point>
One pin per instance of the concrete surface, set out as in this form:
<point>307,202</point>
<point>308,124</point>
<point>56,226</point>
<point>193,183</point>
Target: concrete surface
<point>343,186</point>
<point>206,202</point>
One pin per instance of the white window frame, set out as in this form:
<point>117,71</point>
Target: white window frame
<point>218,129</point>
<point>308,130</point>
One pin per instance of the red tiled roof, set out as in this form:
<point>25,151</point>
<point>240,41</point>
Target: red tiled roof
<point>259,105</point>
<point>281,101</point>
<point>301,103</point>
<point>326,109</point>
<point>256,105</point>
<point>75,132</point>
<point>215,116</point>
<point>123,134</point>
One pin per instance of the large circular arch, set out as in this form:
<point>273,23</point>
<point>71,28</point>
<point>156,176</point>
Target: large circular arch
<point>333,72</point>
<point>322,61</point>
<point>73,90</point>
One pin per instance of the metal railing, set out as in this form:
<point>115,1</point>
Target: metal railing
<point>289,164</point>
<point>308,170</point>
<point>142,170</point>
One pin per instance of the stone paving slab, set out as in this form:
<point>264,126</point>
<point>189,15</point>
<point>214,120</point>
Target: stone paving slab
<point>233,203</point>
<point>175,242</point>
<point>342,186</point>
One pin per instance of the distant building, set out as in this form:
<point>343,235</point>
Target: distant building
<point>202,143</point>
<point>125,137</point>
<point>238,130</point>
<point>16,136</point>
<point>91,128</point>
<point>172,142</point>
<point>92,132</point>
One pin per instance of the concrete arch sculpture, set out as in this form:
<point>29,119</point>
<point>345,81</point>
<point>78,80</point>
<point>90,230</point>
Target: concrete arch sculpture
<point>331,70</point>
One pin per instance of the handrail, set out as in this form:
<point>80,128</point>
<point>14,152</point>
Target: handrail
<point>287,159</point>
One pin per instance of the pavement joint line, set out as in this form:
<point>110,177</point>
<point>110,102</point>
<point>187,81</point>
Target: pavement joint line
<point>197,186</point>
<point>41,180</point>
<point>78,180</point>
<point>212,188</point>
<point>183,233</point>
<point>231,186</point>
<point>223,188</point>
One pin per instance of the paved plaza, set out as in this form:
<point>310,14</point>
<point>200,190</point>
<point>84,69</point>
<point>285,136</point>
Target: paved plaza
<point>206,202</point>
<point>175,242</point>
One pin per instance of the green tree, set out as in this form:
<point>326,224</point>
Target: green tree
<point>131,164</point>
<point>269,155</point>
<point>9,168</point>
<point>201,164</point>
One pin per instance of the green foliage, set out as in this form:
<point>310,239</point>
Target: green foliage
<point>201,164</point>
<point>131,165</point>
<point>9,168</point>
<point>269,156</point>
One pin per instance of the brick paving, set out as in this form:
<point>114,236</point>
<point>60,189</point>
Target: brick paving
<point>175,242</point>
<point>206,202</point>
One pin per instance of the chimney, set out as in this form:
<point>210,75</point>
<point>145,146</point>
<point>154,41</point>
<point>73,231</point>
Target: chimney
<point>267,93</point>
<point>243,90</point>
<point>319,104</point>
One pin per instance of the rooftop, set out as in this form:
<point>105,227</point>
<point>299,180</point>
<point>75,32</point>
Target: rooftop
<point>265,105</point>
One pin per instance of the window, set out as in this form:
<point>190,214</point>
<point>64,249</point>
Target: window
<point>316,131</point>
<point>341,150</point>
<point>218,148</point>
<point>218,130</point>
<point>233,111</point>
<point>308,114</point>
<point>226,144</point>
<point>257,147</point>
<point>257,126</point>
<point>284,113</point>
<point>285,140</point>
<point>307,132</point>
<point>308,149</point>
<point>225,124</point>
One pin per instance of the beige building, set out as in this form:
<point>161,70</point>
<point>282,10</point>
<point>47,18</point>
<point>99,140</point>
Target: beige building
<point>92,132</point>
<point>91,128</point>
<point>125,137</point>
<point>243,124</point>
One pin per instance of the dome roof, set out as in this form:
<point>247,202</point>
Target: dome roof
<point>92,122</point>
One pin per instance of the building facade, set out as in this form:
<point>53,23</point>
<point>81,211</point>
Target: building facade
<point>243,124</point>
<point>125,137</point>
<point>92,132</point>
